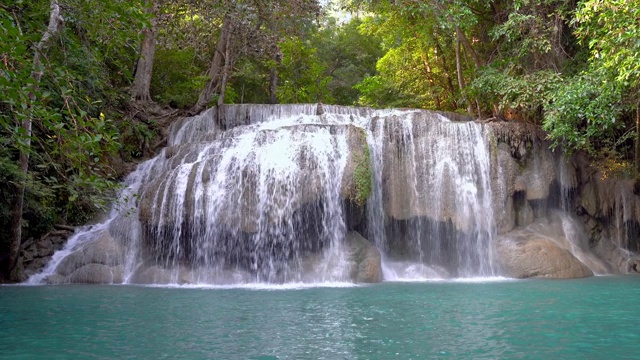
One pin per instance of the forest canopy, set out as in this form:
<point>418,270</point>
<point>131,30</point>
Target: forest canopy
<point>86,85</point>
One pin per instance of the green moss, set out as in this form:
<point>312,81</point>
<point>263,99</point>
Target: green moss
<point>363,175</point>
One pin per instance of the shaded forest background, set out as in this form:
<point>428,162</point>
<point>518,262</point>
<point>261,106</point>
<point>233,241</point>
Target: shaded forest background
<point>87,87</point>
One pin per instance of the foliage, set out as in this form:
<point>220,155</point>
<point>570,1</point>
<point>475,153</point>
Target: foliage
<point>136,139</point>
<point>72,108</point>
<point>611,30</point>
<point>376,92</point>
<point>592,111</point>
<point>177,78</point>
<point>525,96</point>
<point>301,74</point>
<point>348,55</point>
<point>585,114</point>
<point>250,81</point>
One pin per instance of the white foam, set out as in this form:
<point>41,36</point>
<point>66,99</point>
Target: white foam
<point>487,279</point>
<point>257,286</point>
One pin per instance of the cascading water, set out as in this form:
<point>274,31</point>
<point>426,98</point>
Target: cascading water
<point>271,199</point>
<point>433,184</point>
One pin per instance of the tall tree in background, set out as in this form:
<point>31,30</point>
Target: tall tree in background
<point>141,86</point>
<point>54,27</point>
<point>251,27</point>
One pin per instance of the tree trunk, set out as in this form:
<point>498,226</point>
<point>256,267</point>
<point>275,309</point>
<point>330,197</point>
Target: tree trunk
<point>429,75</point>
<point>462,38</point>
<point>140,89</point>
<point>273,86</point>
<point>229,63</point>
<point>215,69</point>
<point>637,149</point>
<point>273,80</point>
<point>461,82</point>
<point>55,25</point>
<point>447,74</point>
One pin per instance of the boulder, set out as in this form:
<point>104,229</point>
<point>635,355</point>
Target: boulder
<point>44,248</point>
<point>527,255</point>
<point>365,259</point>
<point>96,274</point>
<point>633,266</point>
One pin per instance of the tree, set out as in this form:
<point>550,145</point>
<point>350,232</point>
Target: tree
<point>347,54</point>
<point>250,28</point>
<point>140,89</point>
<point>611,30</point>
<point>53,29</point>
<point>592,110</point>
<point>427,44</point>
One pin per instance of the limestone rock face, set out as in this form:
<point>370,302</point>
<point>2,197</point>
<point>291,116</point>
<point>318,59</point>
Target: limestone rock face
<point>235,204</point>
<point>523,172</point>
<point>525,255</point>
<point>164,186</point>
<point>365,259</point>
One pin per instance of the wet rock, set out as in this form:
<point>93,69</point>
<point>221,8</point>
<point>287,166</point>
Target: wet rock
<point>365,259</point>
<point>55,279</point>
<point>176,208</point>
<point>44,248</point>
<point>588,200</point>
<point>523,255</point>
<point>522,174</point>
<point>95,274</point>
<point>36,254</point>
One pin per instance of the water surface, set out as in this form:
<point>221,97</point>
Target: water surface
<point>594,318</point>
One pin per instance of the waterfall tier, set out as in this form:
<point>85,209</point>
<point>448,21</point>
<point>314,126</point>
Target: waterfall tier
<point>318,193</point>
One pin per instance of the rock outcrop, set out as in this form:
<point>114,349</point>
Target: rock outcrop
<point>527,256</point>
<point>36,254</point>
<point>365,259</point>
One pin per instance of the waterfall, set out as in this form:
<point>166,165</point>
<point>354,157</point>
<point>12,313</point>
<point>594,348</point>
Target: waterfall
<point>268,197</point>
<point>433,183</point>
